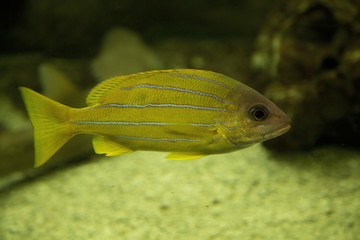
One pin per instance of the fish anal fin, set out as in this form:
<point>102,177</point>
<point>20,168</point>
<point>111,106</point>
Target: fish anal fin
<point>185,155</point>
<point>104,145</point>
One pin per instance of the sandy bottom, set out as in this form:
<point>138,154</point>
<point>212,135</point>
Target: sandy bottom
<point>248,195</point>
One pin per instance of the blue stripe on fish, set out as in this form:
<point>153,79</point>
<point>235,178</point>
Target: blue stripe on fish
<point>160,139</point>
<point>223,124</point>
<point>140,123</point>
<point>180,90</point>
<point>122,123</point>
<point>231,128</point>
<point>159,105</point>
<point>202,125</point>
<point>199,78</point>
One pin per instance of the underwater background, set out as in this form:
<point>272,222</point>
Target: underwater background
<point>303,54</point>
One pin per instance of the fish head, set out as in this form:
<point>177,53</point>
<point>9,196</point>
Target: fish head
<point>257,119</point>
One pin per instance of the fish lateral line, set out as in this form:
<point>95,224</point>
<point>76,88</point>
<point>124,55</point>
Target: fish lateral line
<point>198,78</point>
<point>143,123</point>
<point>180,90</point>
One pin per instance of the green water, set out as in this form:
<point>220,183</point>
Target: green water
<point>252,194</point>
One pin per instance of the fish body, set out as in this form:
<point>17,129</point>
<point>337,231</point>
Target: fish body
<point>189,113</point>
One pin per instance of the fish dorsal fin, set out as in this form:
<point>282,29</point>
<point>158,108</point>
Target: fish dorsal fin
<point>104,145</point>
<point>105,87</point>
<point>98,93</point>
<point>185,155</point>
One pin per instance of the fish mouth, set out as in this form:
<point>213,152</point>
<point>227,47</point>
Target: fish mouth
<point>278,131</point>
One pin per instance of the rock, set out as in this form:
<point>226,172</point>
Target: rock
<point>308,57</point>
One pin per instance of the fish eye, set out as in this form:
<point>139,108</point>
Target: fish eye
<point>258,113</point>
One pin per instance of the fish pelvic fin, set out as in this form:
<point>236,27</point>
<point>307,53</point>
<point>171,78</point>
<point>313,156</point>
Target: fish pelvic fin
<point>50,122</point>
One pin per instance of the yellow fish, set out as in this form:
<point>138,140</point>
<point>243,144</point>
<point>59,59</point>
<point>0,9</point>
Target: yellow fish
<point>189,113</point>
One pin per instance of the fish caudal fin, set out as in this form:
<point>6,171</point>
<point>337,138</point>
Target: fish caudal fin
<point>50,122</point>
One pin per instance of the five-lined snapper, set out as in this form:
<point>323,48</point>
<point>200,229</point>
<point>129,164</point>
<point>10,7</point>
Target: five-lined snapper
<point>189,113</point>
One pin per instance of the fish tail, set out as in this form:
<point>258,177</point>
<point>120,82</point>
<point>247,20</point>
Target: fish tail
<point>50,121</point>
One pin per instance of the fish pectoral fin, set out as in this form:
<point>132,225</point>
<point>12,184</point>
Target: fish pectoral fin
<point>104,145</point>
<point>185,155</point>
